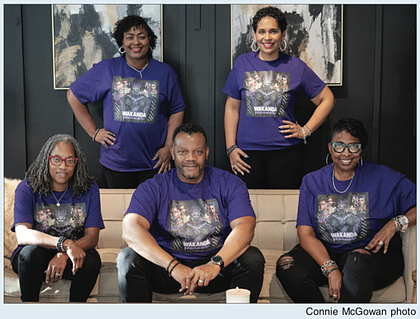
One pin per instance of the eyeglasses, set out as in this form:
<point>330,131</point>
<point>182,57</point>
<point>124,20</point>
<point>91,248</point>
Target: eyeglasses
<point>339,147</point>
<point>57,160</point>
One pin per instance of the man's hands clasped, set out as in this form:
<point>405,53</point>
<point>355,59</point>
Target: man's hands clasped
<point>193,278</point>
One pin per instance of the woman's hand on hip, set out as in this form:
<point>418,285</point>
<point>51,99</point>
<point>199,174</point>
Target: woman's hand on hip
<point>56,268</point>
<point>164,162</point>
<point>237,164</point>
<point>292,129</point>
<point>106,138</point>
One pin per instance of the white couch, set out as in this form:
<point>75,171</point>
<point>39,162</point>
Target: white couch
<point>275,234</point>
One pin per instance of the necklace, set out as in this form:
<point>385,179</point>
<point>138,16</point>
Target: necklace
<point>140,71</point>
<point>342,192</point>
<point>58,200</point>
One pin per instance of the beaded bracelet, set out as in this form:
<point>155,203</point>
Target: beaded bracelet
<point>170,272</point>
<point>230,149</point>
<point>94,135</point>
<point>60,242</point>
<point>304,135</point>
<point>309,131</point>
<point>331,270</point>
<point>167,267</point>
<point>327,264</point>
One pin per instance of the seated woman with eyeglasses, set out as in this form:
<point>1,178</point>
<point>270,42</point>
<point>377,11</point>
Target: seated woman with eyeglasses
<point>57,218</point>
<point>354,246</point>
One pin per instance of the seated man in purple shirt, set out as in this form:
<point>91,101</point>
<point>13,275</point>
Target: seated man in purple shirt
<point>199,256</point>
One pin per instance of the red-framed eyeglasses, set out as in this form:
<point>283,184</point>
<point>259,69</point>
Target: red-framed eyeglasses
<point>57,160</point>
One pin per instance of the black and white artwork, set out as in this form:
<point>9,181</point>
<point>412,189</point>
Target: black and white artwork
<point>82,36</point>
<point>314,34</point>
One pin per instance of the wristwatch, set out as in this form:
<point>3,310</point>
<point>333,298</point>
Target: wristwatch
<point>217,260</point>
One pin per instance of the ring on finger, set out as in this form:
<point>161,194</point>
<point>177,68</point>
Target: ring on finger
<point>200,281</point>
<point>380,243</point>
<point>57,274</point>
<point>335,297</point>
<point>234,167</point>
<point>293,127</point>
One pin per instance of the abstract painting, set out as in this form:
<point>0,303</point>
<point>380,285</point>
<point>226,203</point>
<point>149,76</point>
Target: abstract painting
<point>314,34</point>
<point>82,36</point>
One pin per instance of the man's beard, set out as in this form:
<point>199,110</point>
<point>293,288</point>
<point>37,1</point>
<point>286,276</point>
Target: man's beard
<point>189,176</point>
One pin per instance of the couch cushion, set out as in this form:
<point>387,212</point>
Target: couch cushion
<point>10,242</point>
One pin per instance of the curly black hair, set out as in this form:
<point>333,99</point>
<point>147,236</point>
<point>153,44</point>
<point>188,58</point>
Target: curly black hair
<point>273,12</point>
<point>352,126</point>
<point>189,128</point>
<point>38,174</point>
<point>125,24</point>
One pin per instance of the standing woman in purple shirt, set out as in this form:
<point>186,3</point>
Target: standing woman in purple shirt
<point>263,138</point>
<point>142,105</point>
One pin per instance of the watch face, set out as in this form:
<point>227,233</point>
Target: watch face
<point>216,259</point>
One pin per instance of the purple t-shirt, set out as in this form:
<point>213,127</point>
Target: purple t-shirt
<point>135,108</point>
<point>70,219</point>
<point>267,90</point>
<point>191,221</point>
<point>347,221</point>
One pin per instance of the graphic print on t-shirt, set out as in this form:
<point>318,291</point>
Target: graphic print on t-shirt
<point>135,100</point>
<point>66,220</point>
<point>343,219</point>
<point>267,93</point>
<point>195,224</point>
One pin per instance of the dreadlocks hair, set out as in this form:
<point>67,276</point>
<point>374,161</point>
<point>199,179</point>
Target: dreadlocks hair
<point>38,174</point>
<point>125,24</point>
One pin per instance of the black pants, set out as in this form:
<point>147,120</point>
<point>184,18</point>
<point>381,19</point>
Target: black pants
<point>138,277</point>
<point>116,179</point>
<point>281,169</point>
<point>362,274</point>
<point>32,262</point>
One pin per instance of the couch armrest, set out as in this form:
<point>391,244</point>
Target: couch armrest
<point>410,257</point>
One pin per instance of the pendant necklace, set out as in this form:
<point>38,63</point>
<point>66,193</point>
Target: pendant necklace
<point>58,200</point>
<point>342,192</point>
<point>139,71</point>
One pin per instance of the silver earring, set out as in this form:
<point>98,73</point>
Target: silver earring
<point>150,50</point>
<point>253,46</point>
<point>284,42</point>
<point>121,50</point>
<point>360,162</point>
<point>326,158</point>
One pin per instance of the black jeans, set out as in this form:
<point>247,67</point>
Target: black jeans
<point>116,179</point>
<point>362,274</point>
<point>138,277</point>
<point>32,261</point>
<point>281,169</point>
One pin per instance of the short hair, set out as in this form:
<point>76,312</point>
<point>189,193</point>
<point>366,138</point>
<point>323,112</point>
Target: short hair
<point>38,174</point>
<point>273,12</point>
<point>189,128</point>
<point>353,127</point>
<point>125,24</point>
<point>322,198</point>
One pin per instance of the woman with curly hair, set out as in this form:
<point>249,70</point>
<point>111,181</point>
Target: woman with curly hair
<point>57,218</point>
<point>142,105</point>
<point>260,125</point>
